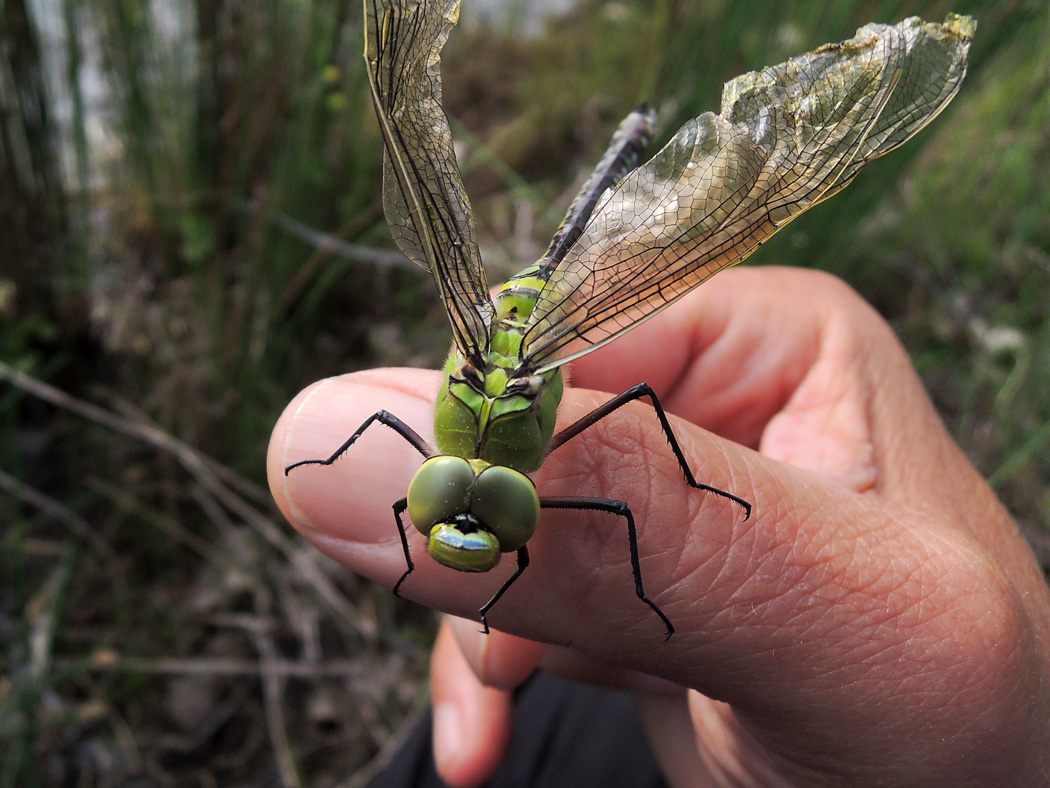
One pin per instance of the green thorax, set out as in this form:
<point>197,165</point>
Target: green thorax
<point>487,414</point>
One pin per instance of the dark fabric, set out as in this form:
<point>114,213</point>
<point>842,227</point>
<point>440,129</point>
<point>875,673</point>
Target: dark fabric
<point>566,735</point>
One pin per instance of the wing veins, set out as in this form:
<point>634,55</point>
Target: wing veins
<point>626,267</point>
<point>426,206</point>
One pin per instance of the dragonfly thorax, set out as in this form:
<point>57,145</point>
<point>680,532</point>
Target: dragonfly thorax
<point>486,413</point>
<point>472,511</point>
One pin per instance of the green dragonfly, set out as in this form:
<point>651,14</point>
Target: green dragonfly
<point>635,239</point>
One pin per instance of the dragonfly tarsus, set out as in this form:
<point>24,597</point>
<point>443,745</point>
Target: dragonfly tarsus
<point>620,509</point>
<point>523,562</point>
<point>383,417</point>
<point>638,391</point>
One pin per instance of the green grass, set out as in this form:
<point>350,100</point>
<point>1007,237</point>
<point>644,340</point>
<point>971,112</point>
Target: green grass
<point>169,274</point>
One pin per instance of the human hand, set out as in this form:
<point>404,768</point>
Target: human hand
<point>878,620</point>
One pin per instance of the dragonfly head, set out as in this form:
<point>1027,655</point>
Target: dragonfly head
<point>472,511</point>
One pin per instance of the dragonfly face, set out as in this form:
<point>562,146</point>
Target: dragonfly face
<point>471,511</point>
<point>634,241</point>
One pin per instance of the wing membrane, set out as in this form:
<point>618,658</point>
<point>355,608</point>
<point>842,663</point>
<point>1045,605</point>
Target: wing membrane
<point>786,138</point>
<point>423,196</point>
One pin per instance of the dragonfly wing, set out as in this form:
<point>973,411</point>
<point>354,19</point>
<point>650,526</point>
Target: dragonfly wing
<point>423,196</point>
<point>786,138</point>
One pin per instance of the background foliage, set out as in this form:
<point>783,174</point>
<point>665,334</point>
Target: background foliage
<point>191,230</point>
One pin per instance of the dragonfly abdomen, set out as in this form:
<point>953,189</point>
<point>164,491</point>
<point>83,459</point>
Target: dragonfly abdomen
<point>518,295</point>
<point>631,137</point>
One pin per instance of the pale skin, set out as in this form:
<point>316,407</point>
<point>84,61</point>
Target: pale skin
<point>879,621</point>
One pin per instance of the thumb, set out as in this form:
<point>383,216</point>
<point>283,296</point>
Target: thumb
<point>581,577</point>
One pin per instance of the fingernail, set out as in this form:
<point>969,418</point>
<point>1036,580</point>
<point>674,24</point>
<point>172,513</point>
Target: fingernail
<point>447,733</point>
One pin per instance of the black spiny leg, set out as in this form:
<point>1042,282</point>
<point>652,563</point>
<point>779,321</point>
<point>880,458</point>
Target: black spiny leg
<point>383,417</point>
<point>413,438</point>
<point>399,509</point>
<point>620,509</point>
<point>523,562</point>
<point>637,392</point>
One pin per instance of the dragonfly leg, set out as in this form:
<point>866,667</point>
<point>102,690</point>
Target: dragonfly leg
<point>523,562</point>
<point>383,417</point>
<point>620,509</point>
<point>399,509</point>
<point>637,392</point>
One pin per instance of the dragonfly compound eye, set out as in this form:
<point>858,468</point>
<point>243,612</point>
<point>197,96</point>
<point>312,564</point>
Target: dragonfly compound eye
<point>440,491</point>
<point>506,502</point>
<point>471,511</point>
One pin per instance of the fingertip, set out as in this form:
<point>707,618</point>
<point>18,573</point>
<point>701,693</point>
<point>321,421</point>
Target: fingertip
<point>473,724</point>
<point>498,660</point>
<point>346,504</point>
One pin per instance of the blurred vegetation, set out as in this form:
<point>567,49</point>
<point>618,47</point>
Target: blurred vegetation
<point>191,230</point>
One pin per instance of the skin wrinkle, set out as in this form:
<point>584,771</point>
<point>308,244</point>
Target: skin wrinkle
<point>888,744</point>
<point>753,596</point>
<point>741,555</point>
<point>721,557</point>
<point>994,639</point>
<point>876,617</point>
<point>745,556</point>
<point>921,695</point>
<point>880,621</point>
<point>630,439</point>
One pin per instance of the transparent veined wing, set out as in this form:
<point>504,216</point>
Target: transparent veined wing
<point>423,196</point>
<point>786,138</point>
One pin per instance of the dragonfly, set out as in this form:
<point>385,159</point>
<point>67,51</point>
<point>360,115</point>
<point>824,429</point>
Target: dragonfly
<point>634,240</point>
